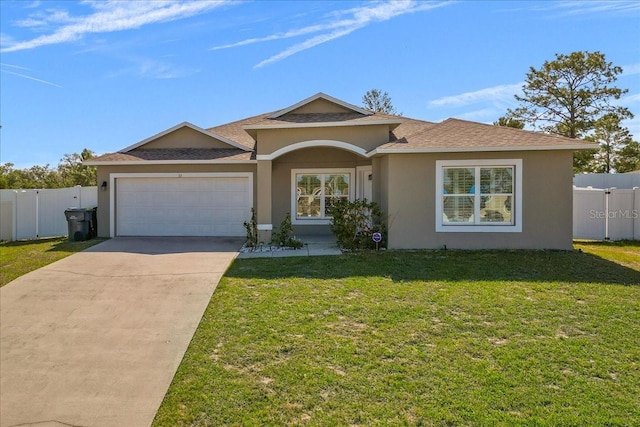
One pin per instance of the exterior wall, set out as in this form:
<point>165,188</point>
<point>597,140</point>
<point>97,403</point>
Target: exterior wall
<point>263,200</point>
<point>320,158</point>
<point>104,206</point>
<point>408,180</point>
<point>367,137</point>
<point>380,183</point>
<point>186,137</point>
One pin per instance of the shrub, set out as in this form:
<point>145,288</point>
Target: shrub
<point>354,223</point>
<point>252,230</point>
<point>283,236</point>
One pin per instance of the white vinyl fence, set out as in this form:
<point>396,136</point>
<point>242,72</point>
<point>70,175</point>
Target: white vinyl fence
<point>34,214</point>
<point>607,180</point>
<point>606,214</point>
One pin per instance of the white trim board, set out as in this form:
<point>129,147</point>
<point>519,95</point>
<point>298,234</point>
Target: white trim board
<point>190,126</point>
<point>517,194</point>
<point>168,162</point>
<point>324,96</point>
<point>312,144</point>
<point>312,171</point>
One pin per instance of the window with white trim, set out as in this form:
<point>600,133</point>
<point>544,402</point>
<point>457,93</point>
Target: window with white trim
<point>315,191</point>
<point>479,195</point>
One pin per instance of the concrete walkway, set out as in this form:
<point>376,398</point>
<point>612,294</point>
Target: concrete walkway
<point>95,339</point>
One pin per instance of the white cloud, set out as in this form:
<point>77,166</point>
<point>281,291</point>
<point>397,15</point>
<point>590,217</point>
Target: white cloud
<point>107,17</point>
<point>24,76</point>
<point>634,126</point>
<point>630,99</point>
<point>564,8</point>
<point>6,40</point>
<point>307,44</point>
<point>340,24</point>
<point>43,19</point>
<point>154,69</point>
<point>496,94</point>
<point>631,69</point>
<point>597,7</point>
<point>483,115</point>
<point>4,64</point>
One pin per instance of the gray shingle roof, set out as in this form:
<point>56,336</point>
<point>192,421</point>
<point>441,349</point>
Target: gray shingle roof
<point>461,134</point>
<point>405,134</point>
<point>168,154</point>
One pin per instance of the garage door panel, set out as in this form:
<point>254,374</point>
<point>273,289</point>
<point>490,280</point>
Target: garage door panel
<point>212,206</point>
<point>235,199</point>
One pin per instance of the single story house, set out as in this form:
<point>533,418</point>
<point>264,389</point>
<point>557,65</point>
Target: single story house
<point>455,183</point>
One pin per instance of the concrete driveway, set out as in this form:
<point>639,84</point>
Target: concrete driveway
<point>95,339</point>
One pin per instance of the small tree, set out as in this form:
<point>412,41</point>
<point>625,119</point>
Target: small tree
<point>73,172</point>
<point>251,227</point>
<point>284,235</point>
<point>509,122</point>
<point>629,158</point>
<point>378,101</point>
<point>612,138</point>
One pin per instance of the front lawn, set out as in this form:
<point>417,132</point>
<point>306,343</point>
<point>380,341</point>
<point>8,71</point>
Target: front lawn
<point>626,253</point>
<point>417,338</point>
<point>18,258</point>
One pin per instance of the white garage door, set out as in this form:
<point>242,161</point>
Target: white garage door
<point>189,206</point>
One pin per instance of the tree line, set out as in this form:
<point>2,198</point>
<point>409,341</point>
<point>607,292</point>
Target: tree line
<point>70,172</point>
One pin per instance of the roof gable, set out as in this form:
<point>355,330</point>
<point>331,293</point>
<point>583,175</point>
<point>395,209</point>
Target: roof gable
<point>185,135</point>
<point>320,103</point>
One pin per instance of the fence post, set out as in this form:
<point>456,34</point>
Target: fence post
<point>37,214</point>
<point>78,196</point>
<point>607,192</point>
<point>14,233</point>
<point>636,213</point>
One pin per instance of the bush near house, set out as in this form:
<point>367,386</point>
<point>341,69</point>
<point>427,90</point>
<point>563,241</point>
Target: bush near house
<point>283,236</point>
<point>354,223</point>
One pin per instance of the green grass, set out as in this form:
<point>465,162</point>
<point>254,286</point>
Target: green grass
<point>626,253</point>
<point>18,258</point>
<point>433,338</point>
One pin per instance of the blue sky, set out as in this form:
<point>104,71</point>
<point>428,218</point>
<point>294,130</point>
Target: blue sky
<point>105,75</point>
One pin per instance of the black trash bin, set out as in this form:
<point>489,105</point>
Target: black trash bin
<point>79,223</point>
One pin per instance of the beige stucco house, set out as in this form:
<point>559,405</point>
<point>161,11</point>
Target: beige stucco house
<point>455,183</point>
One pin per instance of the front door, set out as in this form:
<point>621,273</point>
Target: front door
<point>364,185</point>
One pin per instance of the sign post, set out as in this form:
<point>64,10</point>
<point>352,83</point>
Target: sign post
<point>377,237</point>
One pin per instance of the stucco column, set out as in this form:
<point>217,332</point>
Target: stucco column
<point>264,201</point>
